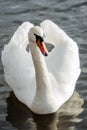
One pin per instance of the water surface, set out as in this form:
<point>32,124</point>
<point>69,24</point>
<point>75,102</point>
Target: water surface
<point>71,16</point>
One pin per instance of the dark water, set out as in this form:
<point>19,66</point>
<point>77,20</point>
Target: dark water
<point>70,15</point>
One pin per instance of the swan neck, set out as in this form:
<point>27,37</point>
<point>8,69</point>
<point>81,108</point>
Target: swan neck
<point>42,76</point>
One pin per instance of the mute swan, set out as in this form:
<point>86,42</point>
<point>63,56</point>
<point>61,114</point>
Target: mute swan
<point>42,83</point>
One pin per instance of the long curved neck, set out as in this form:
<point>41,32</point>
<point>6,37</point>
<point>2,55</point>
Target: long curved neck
<point>42,76</point>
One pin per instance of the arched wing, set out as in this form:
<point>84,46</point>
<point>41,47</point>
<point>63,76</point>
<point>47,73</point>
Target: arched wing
<point>20,37</point>
<point>63,61</point>
<point>18,65</point>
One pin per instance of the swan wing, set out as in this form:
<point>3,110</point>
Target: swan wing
<point>18,65</point>
<point>63,61</point>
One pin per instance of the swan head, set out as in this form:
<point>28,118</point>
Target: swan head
<point>36,35</point>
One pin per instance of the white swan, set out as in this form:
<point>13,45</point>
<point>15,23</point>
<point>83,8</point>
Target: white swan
<point>42,84</point>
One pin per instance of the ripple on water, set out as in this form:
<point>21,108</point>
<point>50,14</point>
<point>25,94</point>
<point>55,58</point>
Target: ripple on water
<point>70,16</point>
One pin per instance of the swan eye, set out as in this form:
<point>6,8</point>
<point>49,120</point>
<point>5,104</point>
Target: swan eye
<point>38,38</point>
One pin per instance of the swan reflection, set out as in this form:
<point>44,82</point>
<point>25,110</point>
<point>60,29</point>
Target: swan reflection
<point>23,119</point>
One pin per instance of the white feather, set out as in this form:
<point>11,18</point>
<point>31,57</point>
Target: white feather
<point>62,63</point>
<point>18,65</point>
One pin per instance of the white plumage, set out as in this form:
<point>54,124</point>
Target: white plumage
<point>42,90</point>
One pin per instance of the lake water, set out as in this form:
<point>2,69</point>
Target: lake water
<point>71,16</point>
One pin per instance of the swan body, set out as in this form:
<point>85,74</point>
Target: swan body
<point>44,84</point>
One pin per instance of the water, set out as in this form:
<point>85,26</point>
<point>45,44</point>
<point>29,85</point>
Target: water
<point>71,16</point>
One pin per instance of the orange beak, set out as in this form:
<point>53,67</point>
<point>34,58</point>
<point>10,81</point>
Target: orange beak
<point>42,47</point>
